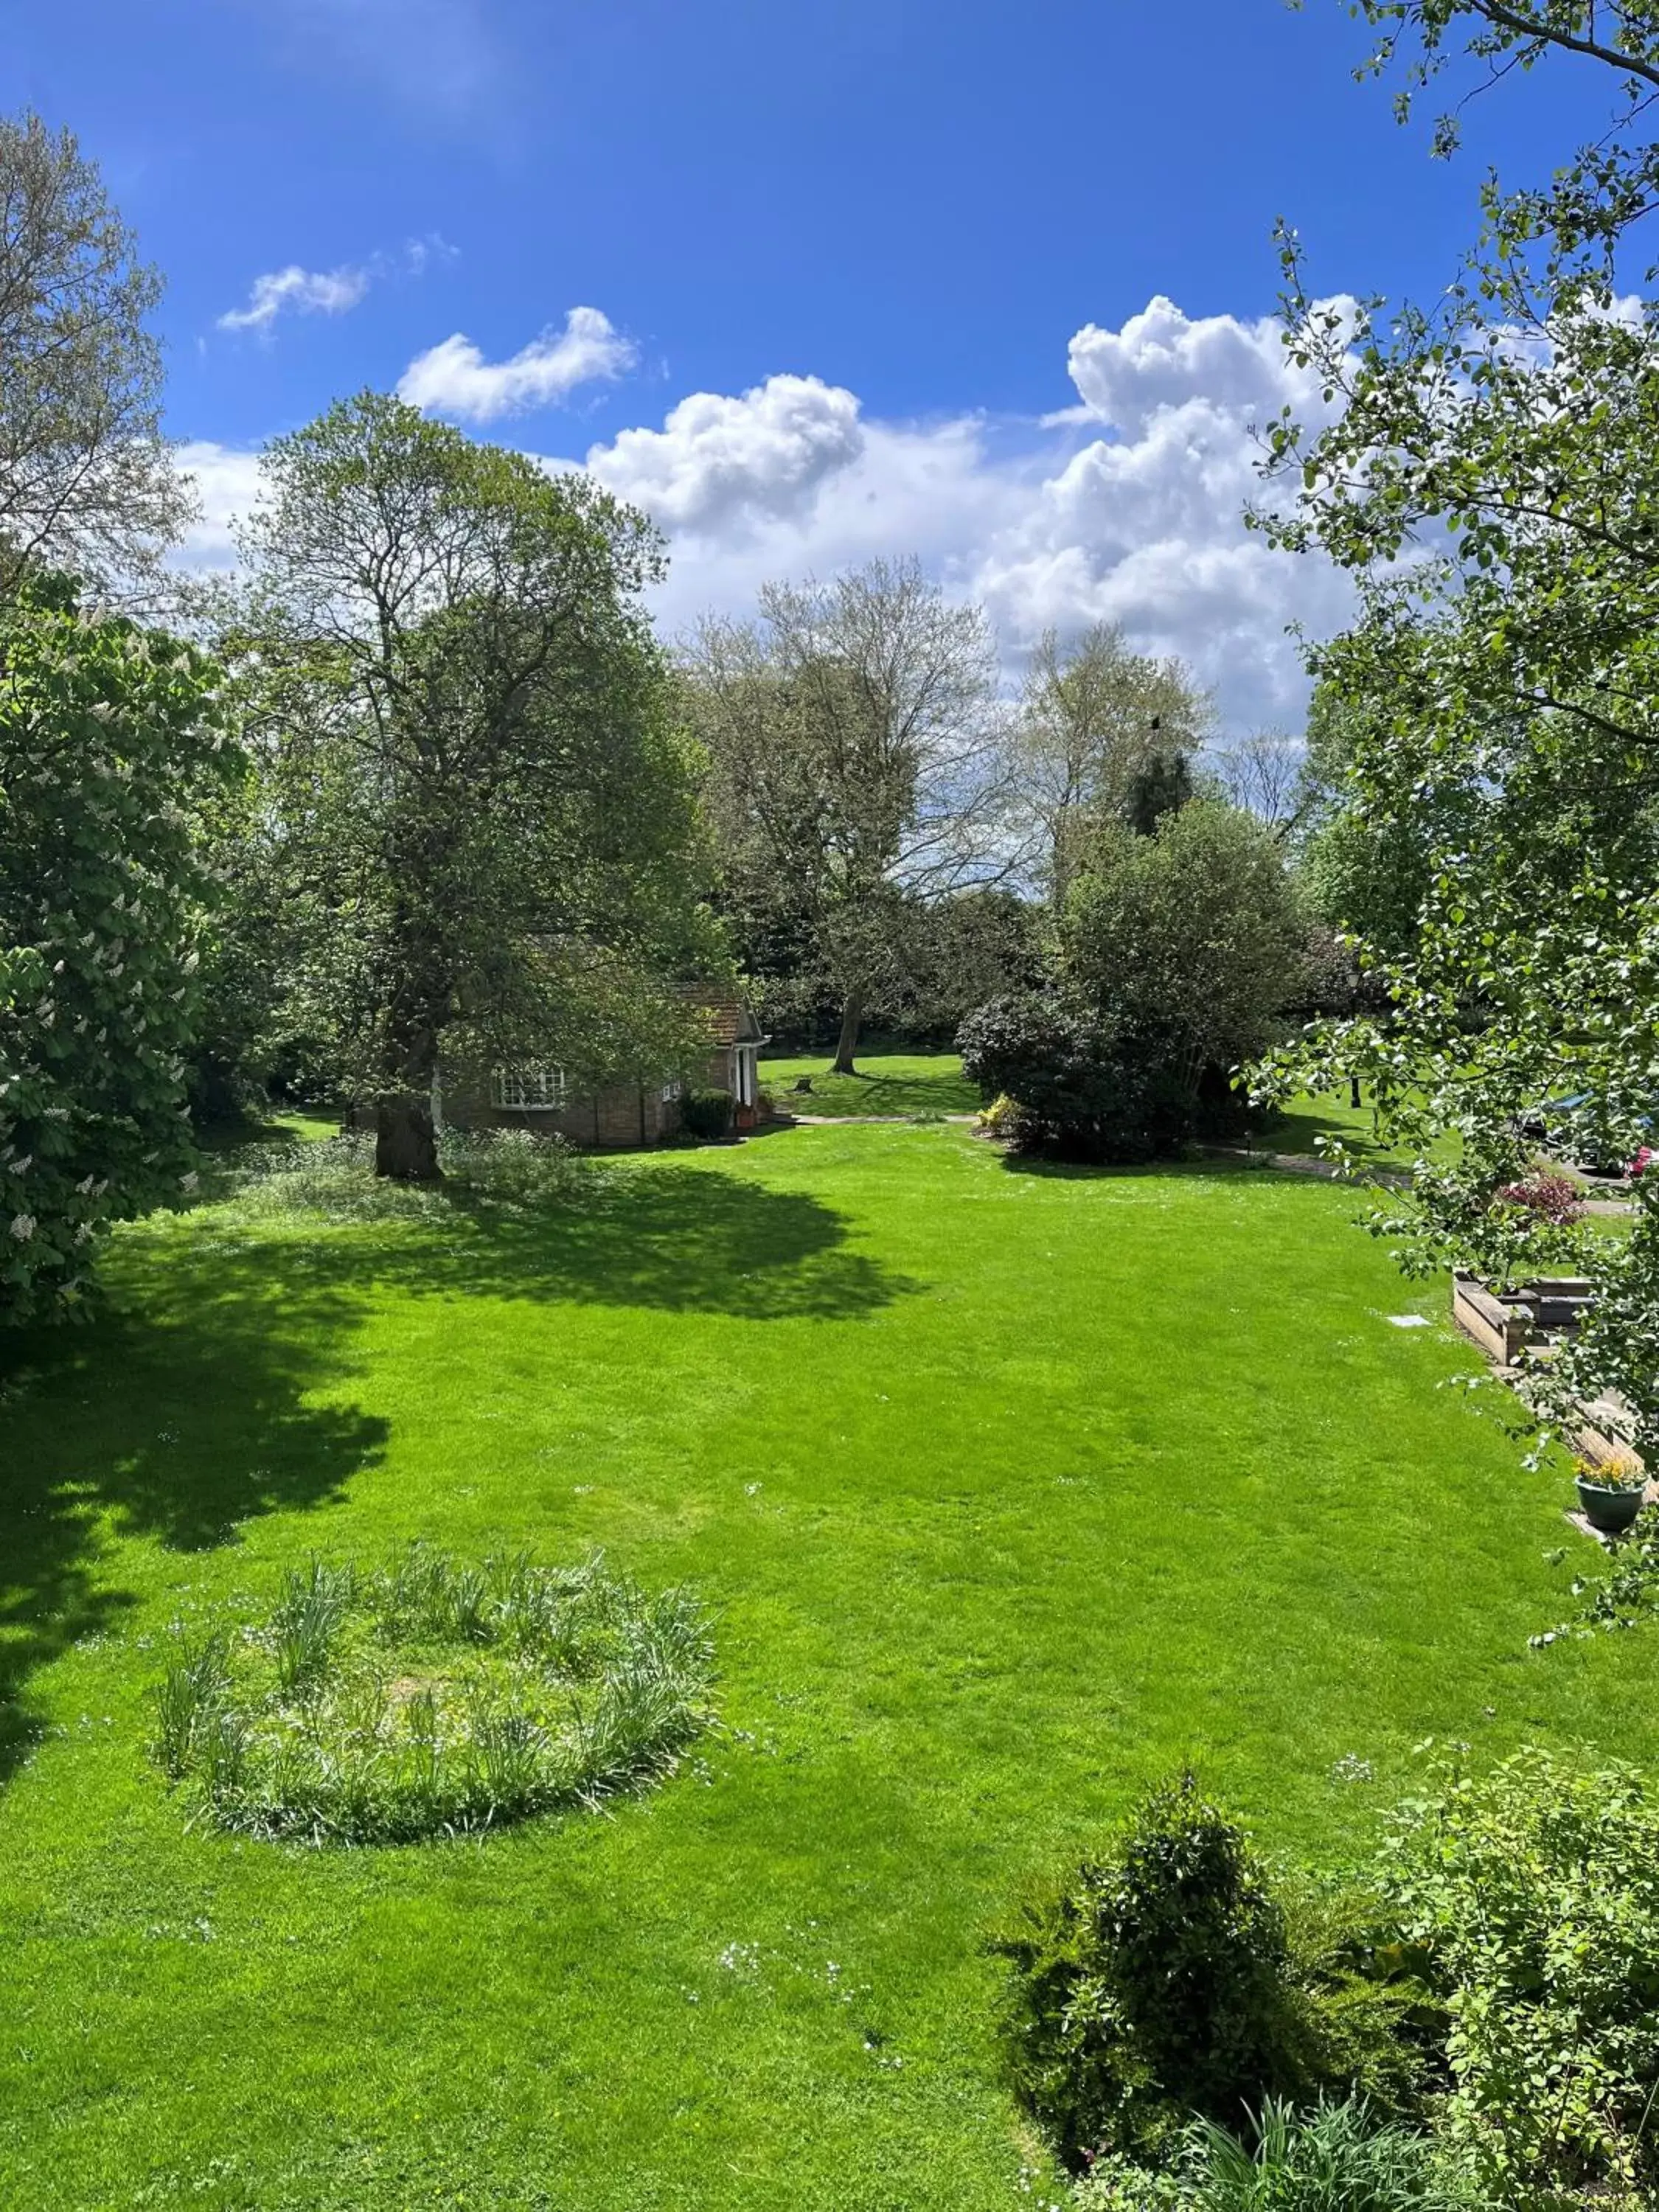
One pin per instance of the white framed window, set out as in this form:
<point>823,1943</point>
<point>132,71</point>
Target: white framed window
<point>529,1089</point>
<point>671,1091</point>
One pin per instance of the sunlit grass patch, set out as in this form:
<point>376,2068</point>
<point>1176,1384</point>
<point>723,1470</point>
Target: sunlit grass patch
<point>888,1084</point>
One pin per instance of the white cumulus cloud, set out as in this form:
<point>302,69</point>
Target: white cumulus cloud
<point>226,479</point>
<point>1128,506</point>
<point>1161,358</point>
<point>723,463</point>
<point>454,378</point>
<point>306,291</point>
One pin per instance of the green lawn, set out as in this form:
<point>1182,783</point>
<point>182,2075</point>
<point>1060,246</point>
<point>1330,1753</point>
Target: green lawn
<point>892,1083</point>
<point>1299,1126</point>
<point>1011,1488</point>
<point>933,1082</point>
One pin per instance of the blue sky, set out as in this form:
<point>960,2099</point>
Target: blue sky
<point>837,254</point>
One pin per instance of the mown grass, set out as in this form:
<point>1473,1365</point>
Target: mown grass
<point>1009,1489</point>
<point>887,1084</point>
<point>921,1082</point>
<point>1301,1124</point>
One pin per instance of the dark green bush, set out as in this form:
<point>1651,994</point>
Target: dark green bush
<point>707,1114</point>
<point>1084,1086</point>
<point>1161,1982</point>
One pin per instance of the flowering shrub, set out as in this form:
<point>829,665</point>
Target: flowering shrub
<point>1622,1472</point>
<point>107,734</point>
<point>1530,1894</point>
<point>1552,1196</point>
<point>1000,1118</point>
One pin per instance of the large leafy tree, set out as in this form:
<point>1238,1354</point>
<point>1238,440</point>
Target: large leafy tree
<point>855,767</point>
<point>478,793</point>
<point>1177,950</point>
<point>87,480</point>
<point>1491,483</point>
<point>111,740</point>
<point>1099,731</point>
<point>1192,933</point>
<point>1362,877</point>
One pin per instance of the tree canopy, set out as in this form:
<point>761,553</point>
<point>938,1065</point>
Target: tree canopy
<point>110,737</point>
<point>87,480</point>
<point>1490,483</point>
<point>1099,731</point>
<point>485,802</point>
<point>855,767</point>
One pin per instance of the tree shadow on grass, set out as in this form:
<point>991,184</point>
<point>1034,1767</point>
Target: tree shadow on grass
<point>1052,1167</point>
<point>175,1413</point>
<point>682,1240</point>
<point>669,1236</point>
<point>188,1405</point>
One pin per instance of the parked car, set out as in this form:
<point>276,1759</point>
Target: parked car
<point>1552,1122</point>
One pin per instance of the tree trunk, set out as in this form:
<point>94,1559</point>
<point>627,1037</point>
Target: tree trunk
<point>1354,1098</point>
<point>851,1015</point>
<point>405,1141</point>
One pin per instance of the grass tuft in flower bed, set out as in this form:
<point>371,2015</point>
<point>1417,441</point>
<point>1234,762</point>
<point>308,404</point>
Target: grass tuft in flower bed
<point>432,1697</point>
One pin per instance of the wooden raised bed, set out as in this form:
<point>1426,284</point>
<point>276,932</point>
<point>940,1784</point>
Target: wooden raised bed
<point>1502,1323</point>
<point>1536,1315</point>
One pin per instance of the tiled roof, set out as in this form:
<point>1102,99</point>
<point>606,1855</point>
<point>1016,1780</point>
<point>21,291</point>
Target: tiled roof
<point>729,1018</point>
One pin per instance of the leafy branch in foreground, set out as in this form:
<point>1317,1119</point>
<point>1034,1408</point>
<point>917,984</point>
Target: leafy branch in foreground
<point>1487,473</point>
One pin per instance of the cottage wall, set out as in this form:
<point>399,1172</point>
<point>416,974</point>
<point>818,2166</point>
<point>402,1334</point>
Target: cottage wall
<point>623,1117</point>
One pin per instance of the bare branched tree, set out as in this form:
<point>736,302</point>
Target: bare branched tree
<point>855,741</point>
<point>1093,716</point>
<point>1266,774</point>
<point>87,480</point>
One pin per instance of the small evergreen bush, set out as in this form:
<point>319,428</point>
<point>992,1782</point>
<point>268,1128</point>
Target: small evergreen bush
<point>707,1115</point>
<point>1165,1980</point>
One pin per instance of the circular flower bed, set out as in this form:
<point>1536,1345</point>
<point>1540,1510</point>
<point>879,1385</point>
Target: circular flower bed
<point>432,1697</point>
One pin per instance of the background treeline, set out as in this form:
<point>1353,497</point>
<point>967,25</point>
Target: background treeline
<point>421,782</point>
